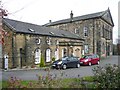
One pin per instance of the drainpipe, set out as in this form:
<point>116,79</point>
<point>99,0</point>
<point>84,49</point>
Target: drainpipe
<point>93,37</point>
<point>2,13</point>
<point>13,55</point>
<point>1,63</point>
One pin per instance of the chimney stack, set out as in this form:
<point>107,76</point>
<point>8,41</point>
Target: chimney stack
<point>50,21</point>
<point>71,15</point>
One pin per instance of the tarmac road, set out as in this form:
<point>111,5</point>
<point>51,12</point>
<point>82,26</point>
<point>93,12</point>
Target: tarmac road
<point>68,73</point>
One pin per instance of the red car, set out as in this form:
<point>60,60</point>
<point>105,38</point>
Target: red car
<point>90,59</point>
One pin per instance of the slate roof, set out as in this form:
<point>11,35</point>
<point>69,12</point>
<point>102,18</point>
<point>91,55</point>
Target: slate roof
<point>28,28</point>
<point>78,18</point>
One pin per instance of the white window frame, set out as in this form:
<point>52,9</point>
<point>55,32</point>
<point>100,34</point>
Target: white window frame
<point>57,54</point>
<point>48,52</point>
<point>37,56</point>
<point>85,29</point>
<point>57,42</point>
<point>38,41</point>
<point>86,49</point>
<point>48,41</point>
<point>76,31</point>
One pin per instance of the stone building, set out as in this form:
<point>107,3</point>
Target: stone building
<point>25,43</point>
<point>2,13</point>
<point>96,29</point>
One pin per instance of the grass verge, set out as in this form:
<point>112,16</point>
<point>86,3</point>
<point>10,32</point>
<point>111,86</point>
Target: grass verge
<point>62,83</point>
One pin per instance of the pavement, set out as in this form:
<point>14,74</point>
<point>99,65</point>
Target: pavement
<point>25,69</point>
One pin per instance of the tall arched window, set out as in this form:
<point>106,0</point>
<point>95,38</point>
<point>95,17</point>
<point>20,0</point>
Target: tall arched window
<point>85,29</point>
<point>103,48</point>
<point>37,56</point>
<point>48,55</point>
<point>57,54</point>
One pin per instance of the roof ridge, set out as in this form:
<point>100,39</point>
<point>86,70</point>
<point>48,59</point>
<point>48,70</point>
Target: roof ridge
<point>28,28</point>
<point>74,18</point>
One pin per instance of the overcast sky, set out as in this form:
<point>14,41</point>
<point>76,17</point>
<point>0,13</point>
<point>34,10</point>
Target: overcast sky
<point>41,11</point>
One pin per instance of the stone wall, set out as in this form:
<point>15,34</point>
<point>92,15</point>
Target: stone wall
<point>8,45</point>
<point>95,33</point>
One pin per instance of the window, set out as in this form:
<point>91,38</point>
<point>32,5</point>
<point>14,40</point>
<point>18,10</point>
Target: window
<point>57,42</point>
<point>38,41</point>
<point>110,34</point>
<point>37,56</point>
<point>103,48</point>
<point>48,41</point>
<point>31,30</point>
<point>103,33</point>
<point>86,49</point>
<point>85,31</point>
<point>76,31</point>
<point>56,54</point>
<point>48,55</point>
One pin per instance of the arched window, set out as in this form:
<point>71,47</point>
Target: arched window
<point>48,55</point>
<point>85,29</point>
<point>103,48</point>
<point>37,56</point>
<point>38,41</point>
<point>86,49</point>
<point>57,54</point>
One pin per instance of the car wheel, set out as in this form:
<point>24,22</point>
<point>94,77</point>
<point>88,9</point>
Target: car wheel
<point>89,63</point>
<point>98,62</point>
<point>78,65</point>
<point>64,66</point>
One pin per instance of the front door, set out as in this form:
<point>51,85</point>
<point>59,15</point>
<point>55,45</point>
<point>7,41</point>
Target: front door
<point>64,52</point>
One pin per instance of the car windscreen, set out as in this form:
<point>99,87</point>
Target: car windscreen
<point>86,57</point>
<point>64,58</point>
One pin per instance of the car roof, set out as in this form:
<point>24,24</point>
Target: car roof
<point>90,54</point>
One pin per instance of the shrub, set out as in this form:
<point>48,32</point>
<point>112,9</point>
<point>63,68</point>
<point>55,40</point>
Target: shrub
<point>42,62</point>
<point>53,59</point>
<point>14,82</point>
<point>107,77</point>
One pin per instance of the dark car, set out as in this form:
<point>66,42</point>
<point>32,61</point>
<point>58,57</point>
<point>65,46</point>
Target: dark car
<point>66,62</point>
<point>90,59</point>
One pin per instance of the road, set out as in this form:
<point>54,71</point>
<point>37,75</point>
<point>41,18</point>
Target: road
<point>68,73</point>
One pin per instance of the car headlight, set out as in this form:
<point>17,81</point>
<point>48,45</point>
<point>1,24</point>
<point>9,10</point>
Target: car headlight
<point>86,60</point>
<point>60,62</point>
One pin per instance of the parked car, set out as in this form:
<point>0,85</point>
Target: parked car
<point>90,59</point>
<point>66,62</point>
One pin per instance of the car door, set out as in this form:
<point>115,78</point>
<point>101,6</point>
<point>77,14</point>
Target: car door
<point>94,59</point>
<point>70,62</point>
<point>74,61</point>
